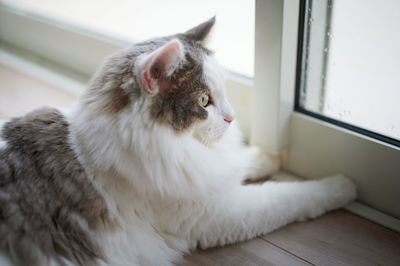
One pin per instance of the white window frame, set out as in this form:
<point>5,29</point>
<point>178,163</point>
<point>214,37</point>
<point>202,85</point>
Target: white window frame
<point>315,148</point>
<point>268,100</point>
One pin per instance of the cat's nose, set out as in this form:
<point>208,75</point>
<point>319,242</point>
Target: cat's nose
<point>229,119</point>
<point>228,113</point>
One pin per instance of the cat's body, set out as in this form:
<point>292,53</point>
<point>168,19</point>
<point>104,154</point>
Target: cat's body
<point>147,167</point>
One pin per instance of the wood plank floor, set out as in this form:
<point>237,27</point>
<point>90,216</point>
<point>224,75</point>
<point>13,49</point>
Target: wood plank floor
<point>340,238</point>
<point>337,238</point>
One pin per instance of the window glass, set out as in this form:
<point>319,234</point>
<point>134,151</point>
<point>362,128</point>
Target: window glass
<point>136,20</point>
<point>350,68</point>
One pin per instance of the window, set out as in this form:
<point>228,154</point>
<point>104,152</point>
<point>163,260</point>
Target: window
<point>347,80</point>
<point>350,72</point>
<point>136,20</point>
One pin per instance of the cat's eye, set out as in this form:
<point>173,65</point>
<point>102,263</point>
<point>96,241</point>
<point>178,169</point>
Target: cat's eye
<point>203,100</point>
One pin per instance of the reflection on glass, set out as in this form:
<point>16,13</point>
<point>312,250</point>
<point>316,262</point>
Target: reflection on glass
<point>351,63</point>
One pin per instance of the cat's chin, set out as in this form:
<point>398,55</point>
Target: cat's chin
<point>205,141</point>
<point>208,139</point>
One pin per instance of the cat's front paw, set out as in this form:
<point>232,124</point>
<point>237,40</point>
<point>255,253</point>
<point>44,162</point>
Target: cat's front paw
<point>264,165</point>
<point>340,191</point>
<point>333,193</point>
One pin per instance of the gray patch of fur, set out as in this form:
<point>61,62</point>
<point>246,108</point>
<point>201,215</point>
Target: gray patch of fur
<point>44,191</point>
<point>177,103</point>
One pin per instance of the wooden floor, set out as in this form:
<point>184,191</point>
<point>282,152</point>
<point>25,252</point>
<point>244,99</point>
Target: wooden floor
<point>337,238</point>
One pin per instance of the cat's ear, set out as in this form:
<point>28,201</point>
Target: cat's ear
<point>200,32</point>
<point>160,64</point>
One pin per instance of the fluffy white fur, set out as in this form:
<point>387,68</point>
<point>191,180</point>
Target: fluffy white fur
<point>3,143</point>
<point>171,193</point>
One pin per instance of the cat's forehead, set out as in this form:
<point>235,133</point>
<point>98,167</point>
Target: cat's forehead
<point>200,69</point>
<point>214,75</point>
<point>202,59</point>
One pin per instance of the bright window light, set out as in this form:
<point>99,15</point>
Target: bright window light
<point>134,20</point>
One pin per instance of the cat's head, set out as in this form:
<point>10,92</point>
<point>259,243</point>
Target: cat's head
<point>175,78</point>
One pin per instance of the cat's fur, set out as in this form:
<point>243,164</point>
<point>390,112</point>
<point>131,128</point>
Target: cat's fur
<point>139,173</point>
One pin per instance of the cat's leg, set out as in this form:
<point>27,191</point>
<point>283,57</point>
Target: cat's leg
<point>253,210</point>
<point>263,164</point>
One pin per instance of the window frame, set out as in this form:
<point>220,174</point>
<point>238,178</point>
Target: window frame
<point>312,148</point>
<point>300,79</point>
<point>330,144</point>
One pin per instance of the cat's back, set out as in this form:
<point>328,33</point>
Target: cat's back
<point>36,147</point>
<point>47,203</point>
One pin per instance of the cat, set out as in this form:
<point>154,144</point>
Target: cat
<point>145,168</point>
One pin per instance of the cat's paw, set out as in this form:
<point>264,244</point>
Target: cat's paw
<point>340,191</point>
<point>264,165</point>
<point>332,193</point>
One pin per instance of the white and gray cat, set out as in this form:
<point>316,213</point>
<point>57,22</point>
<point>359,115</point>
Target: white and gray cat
<point>148,166</point>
